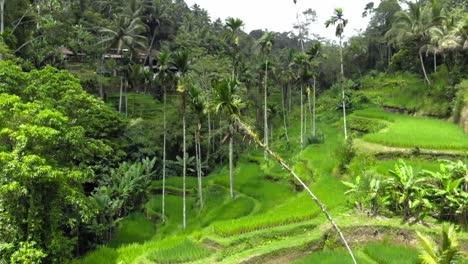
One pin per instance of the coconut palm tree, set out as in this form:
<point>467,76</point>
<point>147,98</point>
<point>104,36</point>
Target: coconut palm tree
<point>313,53</point>
<point>340,22</point>
<point>301,65</point>
<point>448,251</point>
<point>164,61</point>
<point>181,60</point>
<point>414,25</point>
<point>197,104</point>
<point>456,38</point>
<point>233,26</point>
<point>266,44</point>
<point>226,99</point>
<point>285,81</point>
<point>124,33</point>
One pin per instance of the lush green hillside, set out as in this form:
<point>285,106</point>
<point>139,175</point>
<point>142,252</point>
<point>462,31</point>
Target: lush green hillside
<point>269,214</point>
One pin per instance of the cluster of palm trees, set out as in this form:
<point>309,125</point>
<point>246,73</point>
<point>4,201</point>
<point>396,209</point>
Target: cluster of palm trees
<point>224,99</point>
<point>428,30</point>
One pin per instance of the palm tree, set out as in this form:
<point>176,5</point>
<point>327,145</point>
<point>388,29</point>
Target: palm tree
<point>448,251</point>
<point>164,59</point>
<point>226,99</point>
<point>301,63</point>
<point>233,26</point>
<point>338,20</point>
<point>181,60</point>
<point>456,38</point>
<point>266,44</point>
<point>414,25</point>
<point>285,79</point>
<point>197,104</point>
<point>313,54</point>
<point>156,14</point>
<point>124,33</point>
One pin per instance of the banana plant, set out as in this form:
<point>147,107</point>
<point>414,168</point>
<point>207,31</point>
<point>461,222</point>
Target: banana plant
<point>407,192</point>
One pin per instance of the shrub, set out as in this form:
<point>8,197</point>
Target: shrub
<point>27,253</point>
<point>344,154</point>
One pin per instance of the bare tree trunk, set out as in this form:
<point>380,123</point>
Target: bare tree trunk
<point>265,114</point>
<point>2,15</point>
<point>200,183</point>
<point>435,61</point>
<point>163,213</point>
<point>290,97</point>
<point>284,113</point>
<point>231,164</point>
<point>342,90</point>
<point>424,68</point>
<point>101,88</point>
<point>310,112</point>
<point>121,95</point>
<point>302,120</point>
<point>184,173</point>
<point>314,128</point>
<point>247,131</point>
<point>198,164</point>
<point>126,99</point>
<point>209,138</point>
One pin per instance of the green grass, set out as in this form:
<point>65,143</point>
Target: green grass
<point>371,253</point>
<point>295,208</point>
<point>133,228</point>
<point>391,254</point>
<point>404,91</point>
<point>172,250</point>
<point>333,257</point>
<point>266,202</point>
<point>238,207</point>
<point>409,132</point>
<point>178,251</point>
<point>102,255</point>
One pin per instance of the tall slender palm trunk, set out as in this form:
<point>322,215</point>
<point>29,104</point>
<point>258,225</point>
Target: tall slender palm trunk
<point>198,164</point>
<point>126,99</point>
<point>314,128</point>
<point>231,164</point>
<point>302,119</point>
<point>184,170</point>
<point>435,61</point>
<point>121,94</point>
<point>248,132</point>
<point>343,91</point>
<point>2,15</point>
<point>290,97</point>
<point>265,109</point>
<point>163,213</point>
<point>310,111</point>
<point>284,114</point>
<point>424,68</point>
<point>209,137</point>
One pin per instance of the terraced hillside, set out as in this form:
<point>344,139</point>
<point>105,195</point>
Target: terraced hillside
<point>271,220</point>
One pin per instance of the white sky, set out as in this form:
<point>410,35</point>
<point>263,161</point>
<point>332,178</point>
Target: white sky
<point>280,15</point>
